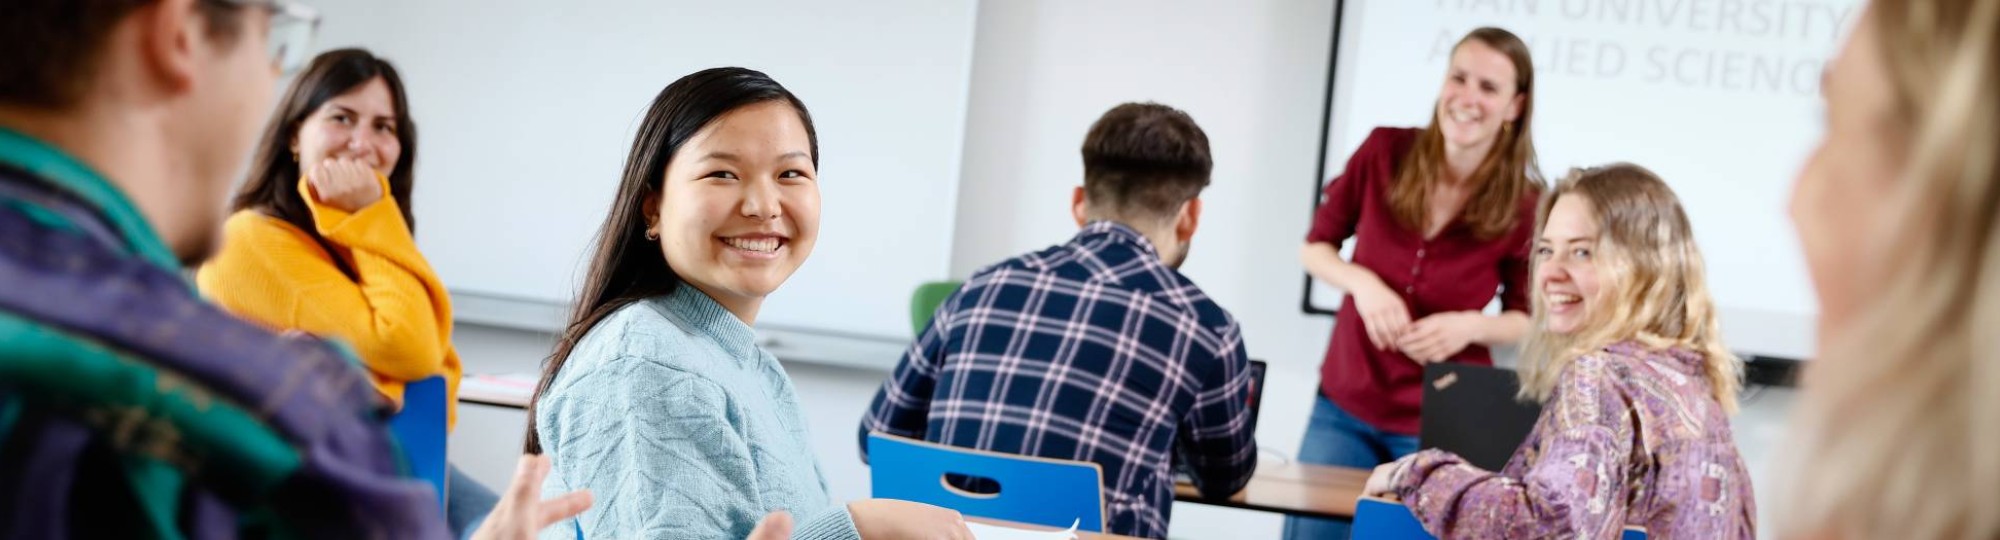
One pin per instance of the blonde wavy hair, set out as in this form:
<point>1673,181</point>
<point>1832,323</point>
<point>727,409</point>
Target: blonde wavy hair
<point>1654,290</point>
<point>1897,432</point>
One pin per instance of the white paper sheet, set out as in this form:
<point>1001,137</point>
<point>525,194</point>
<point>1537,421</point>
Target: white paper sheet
<point>995,532</point>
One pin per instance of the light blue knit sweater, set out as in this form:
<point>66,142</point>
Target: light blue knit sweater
<point>681,427</point>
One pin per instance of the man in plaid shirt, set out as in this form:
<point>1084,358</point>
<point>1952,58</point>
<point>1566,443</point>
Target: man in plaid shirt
<point>1095,350</point>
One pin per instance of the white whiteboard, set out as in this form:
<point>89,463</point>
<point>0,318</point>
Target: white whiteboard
<point>526,111</point>
<point>1720,97</point>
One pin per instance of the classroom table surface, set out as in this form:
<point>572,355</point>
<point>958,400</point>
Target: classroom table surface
<point>1292,488</point>
<point>1289,488</point>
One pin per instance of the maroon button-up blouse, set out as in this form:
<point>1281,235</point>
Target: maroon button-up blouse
<point>1455,271</point>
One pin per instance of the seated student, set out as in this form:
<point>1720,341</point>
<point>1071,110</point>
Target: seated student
<point>1097,349</point>
<point>130,408</point>
<point>322,238</point>
<point>1626,355</point>
<point>658,399</point>
<point>1895,430</point>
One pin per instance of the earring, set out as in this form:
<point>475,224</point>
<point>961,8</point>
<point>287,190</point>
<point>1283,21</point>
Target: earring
<point>652,234</point>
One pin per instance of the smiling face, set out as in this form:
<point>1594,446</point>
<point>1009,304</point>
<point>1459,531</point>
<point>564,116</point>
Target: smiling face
<point>738,209</point>
<point>1566,267</point>
<point>360,125</point>
<point>1478,98</point>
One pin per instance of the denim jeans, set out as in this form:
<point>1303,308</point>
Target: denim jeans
<point>1334,437</point>
<point>467,503</point>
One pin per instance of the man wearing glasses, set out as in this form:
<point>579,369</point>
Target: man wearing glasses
<point>129,408</point>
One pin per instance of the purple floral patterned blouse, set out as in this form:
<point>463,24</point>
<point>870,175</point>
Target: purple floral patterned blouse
<point>1629,437</point>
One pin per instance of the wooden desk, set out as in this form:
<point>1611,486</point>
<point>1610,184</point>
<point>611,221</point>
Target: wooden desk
<point>1080,535</point>
<point>1293,489</point>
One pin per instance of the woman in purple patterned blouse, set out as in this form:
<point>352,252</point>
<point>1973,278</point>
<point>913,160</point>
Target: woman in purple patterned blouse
<point>1636,386</point>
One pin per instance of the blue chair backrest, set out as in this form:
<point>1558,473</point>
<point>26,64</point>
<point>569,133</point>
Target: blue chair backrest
<point>421,427</point>
<point>1389,520</point>
<point>1032,490</point>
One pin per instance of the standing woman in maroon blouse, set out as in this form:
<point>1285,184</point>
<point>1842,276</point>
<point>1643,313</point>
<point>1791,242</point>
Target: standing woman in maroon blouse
<point>1442,218</point>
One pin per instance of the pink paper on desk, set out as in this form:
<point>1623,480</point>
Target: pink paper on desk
<point>511,388</point>
<point>521,381</point>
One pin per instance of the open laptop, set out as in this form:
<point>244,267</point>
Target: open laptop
<point>1471,411</point>
<point>1257,369</point>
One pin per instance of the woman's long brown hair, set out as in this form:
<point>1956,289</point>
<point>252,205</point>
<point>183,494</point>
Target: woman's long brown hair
<point>1509,173</point>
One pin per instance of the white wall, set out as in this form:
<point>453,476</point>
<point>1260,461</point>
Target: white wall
<point>527,109</point>
<point>1252,73</point>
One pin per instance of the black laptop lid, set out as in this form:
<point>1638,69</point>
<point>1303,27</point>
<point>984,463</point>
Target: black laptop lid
<point>1471,411</point>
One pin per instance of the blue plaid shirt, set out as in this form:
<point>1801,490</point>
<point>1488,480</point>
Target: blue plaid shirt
<point>1094,351</point>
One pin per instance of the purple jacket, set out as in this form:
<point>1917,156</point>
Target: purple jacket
<point>1628,437</point>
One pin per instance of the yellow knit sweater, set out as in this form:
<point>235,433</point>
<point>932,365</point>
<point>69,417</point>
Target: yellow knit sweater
<point>396,315</point>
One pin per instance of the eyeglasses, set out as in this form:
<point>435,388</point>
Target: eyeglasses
<point>292,28</point>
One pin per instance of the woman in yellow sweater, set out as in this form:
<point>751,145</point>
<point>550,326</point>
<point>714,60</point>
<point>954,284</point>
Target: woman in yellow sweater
<point>322,239</point>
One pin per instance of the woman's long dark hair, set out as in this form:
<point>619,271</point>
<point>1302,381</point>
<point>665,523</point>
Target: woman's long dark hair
<point>627,267</point>
<point>274,175</point>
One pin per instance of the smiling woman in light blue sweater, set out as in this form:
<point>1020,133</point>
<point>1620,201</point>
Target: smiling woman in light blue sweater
<point>657,398</point>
